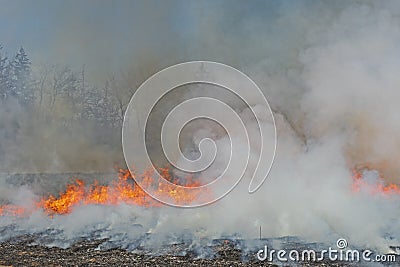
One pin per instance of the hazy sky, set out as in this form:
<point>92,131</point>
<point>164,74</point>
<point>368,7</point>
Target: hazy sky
<point>108,35</point>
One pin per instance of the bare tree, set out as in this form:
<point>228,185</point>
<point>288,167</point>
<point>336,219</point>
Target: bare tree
<point>120,99</point>
<point>41,80</point>
<point>64,83</point>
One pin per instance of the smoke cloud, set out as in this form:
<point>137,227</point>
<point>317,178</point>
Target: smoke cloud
<point>330,73</point>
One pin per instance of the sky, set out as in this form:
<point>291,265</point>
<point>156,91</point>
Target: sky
<point>108,35</point>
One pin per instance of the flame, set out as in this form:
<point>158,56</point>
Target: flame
<point>379,187</point>
<point>123,190</point>
<point>11,210</point>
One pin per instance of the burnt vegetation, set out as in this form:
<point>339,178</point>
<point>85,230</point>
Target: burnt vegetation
<point>24,252</point>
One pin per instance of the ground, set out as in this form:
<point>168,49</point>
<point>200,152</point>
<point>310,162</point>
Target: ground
<point>21,253</point>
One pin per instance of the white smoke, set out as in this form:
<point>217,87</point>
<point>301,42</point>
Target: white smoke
<point>334,88</point>
<point>339,100</point>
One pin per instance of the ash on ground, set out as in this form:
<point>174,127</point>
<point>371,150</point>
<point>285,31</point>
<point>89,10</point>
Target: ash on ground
<point>24,251</point>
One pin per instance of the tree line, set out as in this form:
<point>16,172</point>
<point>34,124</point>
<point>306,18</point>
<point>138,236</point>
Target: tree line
<point>61,92</point>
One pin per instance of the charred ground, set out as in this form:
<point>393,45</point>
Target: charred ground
<point>21,252</point>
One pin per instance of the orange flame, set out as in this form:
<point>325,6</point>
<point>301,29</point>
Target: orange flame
<point>11,210</point>
<point>373,188</point>
<point>123,190</point>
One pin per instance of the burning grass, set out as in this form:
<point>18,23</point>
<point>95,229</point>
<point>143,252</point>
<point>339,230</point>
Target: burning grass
<point>122,190</point>
<point>125,190</point>
<point>377,186</point>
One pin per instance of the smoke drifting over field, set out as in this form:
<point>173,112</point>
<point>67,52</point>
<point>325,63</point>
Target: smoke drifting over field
<point>330,72</point>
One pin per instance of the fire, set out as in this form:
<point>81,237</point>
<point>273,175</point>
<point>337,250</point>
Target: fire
<point>12,210</point>
<point>123,190</point>
<point>379,187</point>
